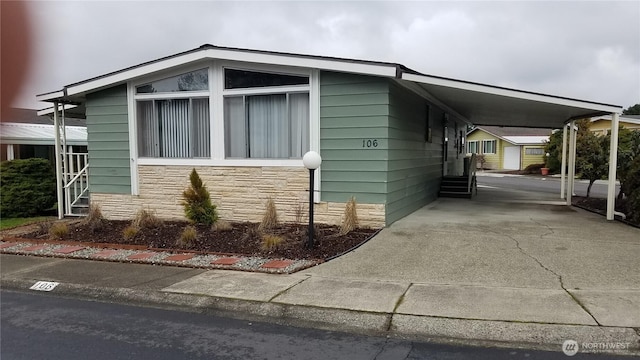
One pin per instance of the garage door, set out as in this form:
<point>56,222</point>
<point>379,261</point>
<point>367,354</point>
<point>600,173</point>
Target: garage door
<point>512,158</point>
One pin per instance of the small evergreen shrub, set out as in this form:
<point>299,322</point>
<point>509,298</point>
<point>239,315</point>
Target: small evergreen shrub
<point>188,236</point>
<point>27,187</point>
<point>197,202</point>
<point>270,217</point>
<point>58,230</point>
<point>350,218</point>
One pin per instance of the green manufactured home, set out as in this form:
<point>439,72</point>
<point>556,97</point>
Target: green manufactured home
<point>244,119</point>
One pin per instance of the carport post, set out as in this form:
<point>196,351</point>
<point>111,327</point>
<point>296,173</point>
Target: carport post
<point>563,171</point>
<point>572,160</point>
<point>56,128</point>
<point>613,164</point>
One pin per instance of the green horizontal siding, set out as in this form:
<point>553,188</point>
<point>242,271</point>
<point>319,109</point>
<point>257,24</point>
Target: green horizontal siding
<point>108,141</point>
<point>415,166</point>
<point>353,108</point>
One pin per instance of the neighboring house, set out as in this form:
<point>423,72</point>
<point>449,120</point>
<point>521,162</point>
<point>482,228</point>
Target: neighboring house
<point>244,119</point>
<point>508,148</point>
<point>25,135</point>
<point>601,125</point>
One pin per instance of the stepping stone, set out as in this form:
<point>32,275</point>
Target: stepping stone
<point>69,249</point>
<point>140,256</point>
<point>180,257</point>
<point>35,247</point>
<point>225,261</point>
<point>105,253</point>
<point>277,264</point>
<point>7,245</point>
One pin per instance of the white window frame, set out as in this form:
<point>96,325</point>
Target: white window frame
<point>495,146</point>
<point>477,143</point>
<point>216,95</point>
<point>540,150</point>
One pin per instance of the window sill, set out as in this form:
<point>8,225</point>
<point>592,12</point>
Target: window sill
<point>224,162</point>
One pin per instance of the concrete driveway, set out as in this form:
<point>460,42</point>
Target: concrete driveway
<point>500,247</point>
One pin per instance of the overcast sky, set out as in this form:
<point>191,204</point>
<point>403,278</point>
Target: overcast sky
<point>588,50</point>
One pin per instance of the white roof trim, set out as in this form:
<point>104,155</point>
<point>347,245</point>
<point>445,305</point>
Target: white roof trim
<point>50,96</point>
<point>388,70</point>
<point>50,110</point>
<point>526,139</point>
<point>620,119</point>
<point>457,84</point>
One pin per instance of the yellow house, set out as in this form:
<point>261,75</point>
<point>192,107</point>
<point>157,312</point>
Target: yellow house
<point>602,124</point>
<point>508,148</point>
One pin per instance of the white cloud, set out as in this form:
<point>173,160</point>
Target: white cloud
<point>587,50</point>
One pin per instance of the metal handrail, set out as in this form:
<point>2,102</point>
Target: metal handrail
<point>76,187</point>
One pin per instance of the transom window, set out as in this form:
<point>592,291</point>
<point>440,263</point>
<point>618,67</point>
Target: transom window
<point>192,81</point>
<point>488,146</point>
<point>241,79</point>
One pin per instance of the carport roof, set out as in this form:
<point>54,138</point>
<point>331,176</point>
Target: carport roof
<point>475,103</point>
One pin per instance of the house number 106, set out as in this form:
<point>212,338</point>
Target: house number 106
<point>369,143</point>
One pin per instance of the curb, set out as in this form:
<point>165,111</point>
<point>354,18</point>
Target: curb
<point>534,336</point>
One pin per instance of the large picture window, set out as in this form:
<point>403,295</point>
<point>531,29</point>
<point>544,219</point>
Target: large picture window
<point>269,122</point>
<point>173,117</point>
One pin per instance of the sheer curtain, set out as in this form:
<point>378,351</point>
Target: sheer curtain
<point>148,134</point>
<point>267,126</point>
<point>200,129</point>
<point>299,124</point>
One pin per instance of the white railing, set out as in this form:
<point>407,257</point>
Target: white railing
<point>471,174</point>
<point>76,180</point>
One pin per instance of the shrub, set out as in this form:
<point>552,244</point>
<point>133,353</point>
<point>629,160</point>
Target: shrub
<point>350,218</point>
<point>94,219</point>
<point>188,236</point>
<point>270,242</point>
<point>28,187</point>
<point>270,217</point>
<point>197,202</point>
<point>633,183</point>
<point>222,225</point>
<point>130,232</point>
<point>58,230</point>
<point>146,219</point>
<point>299,213</point>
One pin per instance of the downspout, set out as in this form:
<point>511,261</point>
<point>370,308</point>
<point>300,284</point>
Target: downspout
<point>563,171</point>
<point>613,163</point>
<point>56,126</point>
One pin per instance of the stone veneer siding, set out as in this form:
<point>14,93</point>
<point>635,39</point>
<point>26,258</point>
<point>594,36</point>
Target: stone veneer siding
<point>239,193</point>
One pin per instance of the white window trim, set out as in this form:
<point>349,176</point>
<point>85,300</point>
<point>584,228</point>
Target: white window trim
<point>477,142</point>
<point>216,96</point>
<point>495,147</point>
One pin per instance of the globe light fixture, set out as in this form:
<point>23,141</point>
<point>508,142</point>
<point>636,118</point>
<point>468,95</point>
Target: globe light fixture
<point>311,161</point>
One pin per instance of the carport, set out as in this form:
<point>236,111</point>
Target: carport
<point>481,104</point>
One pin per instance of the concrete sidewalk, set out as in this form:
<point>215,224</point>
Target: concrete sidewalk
<point>505,268</point>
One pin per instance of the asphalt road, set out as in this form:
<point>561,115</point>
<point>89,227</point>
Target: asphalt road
<point>41,326</point>
<point>542,184</point>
